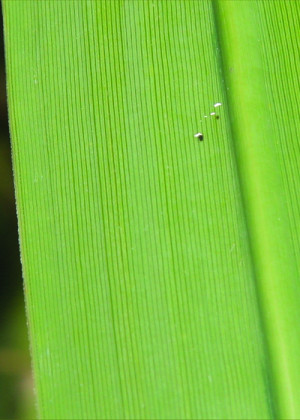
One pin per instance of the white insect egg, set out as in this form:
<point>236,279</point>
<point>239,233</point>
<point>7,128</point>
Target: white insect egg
<point>217,104</point>
<point>212,113</point>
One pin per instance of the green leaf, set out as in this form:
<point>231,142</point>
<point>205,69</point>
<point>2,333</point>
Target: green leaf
<point>161,272</point>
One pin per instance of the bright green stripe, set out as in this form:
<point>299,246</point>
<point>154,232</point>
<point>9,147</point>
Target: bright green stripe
<point>260,134</point>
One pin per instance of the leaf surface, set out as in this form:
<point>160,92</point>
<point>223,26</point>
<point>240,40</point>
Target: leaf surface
<point>161,273</point>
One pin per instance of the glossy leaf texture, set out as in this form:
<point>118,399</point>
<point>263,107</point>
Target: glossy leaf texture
<point>161,272</point>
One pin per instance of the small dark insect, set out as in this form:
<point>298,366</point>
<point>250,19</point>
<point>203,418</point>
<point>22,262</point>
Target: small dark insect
<point>199,136</point>
<point>213,114</point>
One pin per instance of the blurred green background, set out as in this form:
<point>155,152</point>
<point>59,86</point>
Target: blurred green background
<point>16,384</point>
